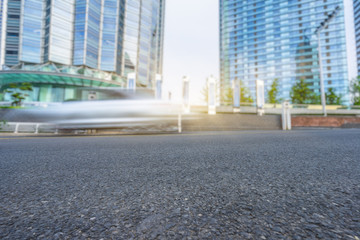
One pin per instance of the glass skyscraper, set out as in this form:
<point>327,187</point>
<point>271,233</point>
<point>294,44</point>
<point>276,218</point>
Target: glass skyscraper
<point>357,31</point>
<point>275,39</point>
<point>80,43</point>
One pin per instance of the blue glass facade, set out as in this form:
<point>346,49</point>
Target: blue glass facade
<point>116,36</point>
<point>79,33</point>
<point>2,30</point>
<point>11,51</point>
<point>109,34</point>
<point>32,31</point>
<point>59,24</point>
<point>275,39</point>
<point>143,34</point>
<point>357,31</point>
<point>93,33</point>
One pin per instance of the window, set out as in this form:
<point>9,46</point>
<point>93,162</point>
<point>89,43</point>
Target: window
<point>13,16</point>
<point>10,34</point>
<point>11,52</point>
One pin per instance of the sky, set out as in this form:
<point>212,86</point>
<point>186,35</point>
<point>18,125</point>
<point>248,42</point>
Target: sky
<point>191,46</point>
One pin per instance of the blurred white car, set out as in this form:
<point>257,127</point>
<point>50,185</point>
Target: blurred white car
<point>111,113</point>
<point>129,111</point>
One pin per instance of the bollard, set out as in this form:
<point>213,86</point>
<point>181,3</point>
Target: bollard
<point>37,128</point>
<point>211,83</point>
<point>179,123</point>
<point>260,97</point>
<point>16,128</point>
<point>236,95</point>
<point>186,95</point>
<point>286,116</point>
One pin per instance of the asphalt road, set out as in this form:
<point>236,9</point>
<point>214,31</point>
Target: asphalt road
<point>229,185</point>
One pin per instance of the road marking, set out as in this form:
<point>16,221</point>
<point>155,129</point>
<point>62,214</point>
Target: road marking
<point>214,133</point>
<point>157,135</point>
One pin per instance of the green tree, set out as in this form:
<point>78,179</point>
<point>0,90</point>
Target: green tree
<point>245,96</point>
<point>355,91</point>
<point>227,96</point>
<point>332,98</point>
<point>273,92</point>
<point>315,98</point>
<point>17,92</point>
<point>302,94</point>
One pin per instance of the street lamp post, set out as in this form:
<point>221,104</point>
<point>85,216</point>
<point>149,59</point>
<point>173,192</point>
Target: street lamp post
<point>322,89</point>
<point>323,25</point>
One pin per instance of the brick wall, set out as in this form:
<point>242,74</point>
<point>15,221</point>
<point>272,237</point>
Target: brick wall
<point>329,121</point>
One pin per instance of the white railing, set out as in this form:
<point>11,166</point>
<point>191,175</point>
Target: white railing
<point>30,127</point>
<point>296,109</point>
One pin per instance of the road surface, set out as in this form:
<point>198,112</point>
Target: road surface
<point>223,185</point>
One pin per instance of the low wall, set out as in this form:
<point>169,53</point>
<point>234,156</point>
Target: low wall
<point>229,122</point>
<point>329,121</point>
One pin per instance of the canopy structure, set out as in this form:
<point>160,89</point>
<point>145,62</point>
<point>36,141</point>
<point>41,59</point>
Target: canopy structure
<point>14,76</point>
<point>57,83</point>
<point>52,83</point>
<point>51,73</point>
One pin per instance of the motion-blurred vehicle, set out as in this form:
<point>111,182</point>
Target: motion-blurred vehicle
<point>129,110</point>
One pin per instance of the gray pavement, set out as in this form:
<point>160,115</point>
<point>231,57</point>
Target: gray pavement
<point>223,185</point>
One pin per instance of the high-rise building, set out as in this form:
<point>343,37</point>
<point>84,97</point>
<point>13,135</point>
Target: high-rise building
<point>276,39</point>
<point>60,46</point>
<point>357,31</point>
